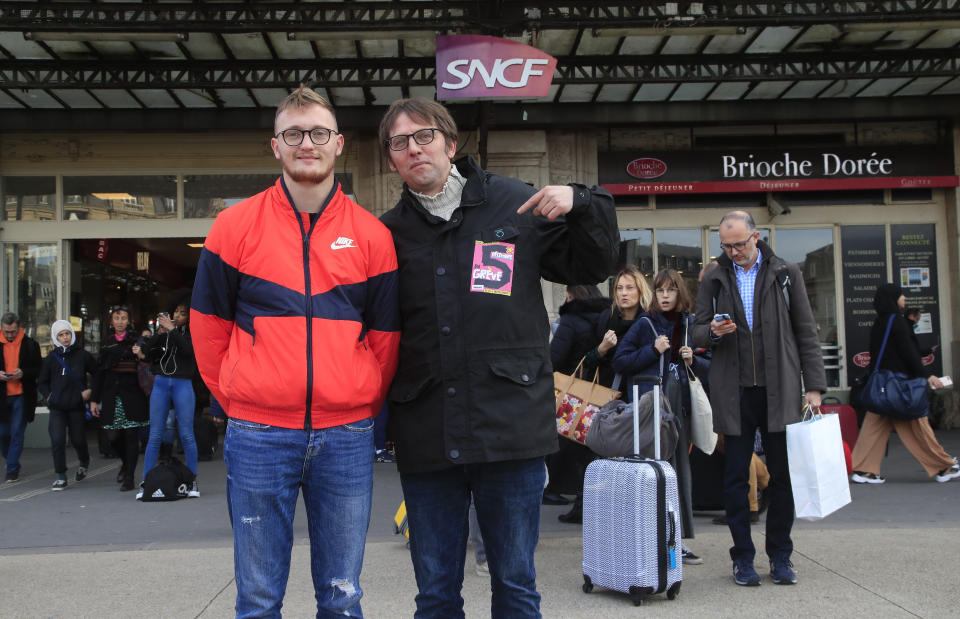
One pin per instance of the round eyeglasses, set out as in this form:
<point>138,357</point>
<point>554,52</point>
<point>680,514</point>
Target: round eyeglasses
<point>294,137</point>
<point>421,137</point>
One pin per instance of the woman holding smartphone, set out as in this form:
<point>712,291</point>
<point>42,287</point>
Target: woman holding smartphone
<point>172,362</point>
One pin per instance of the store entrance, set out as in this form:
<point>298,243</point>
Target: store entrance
<point>145,275</point>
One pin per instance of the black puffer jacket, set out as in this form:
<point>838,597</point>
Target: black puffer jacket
<point>474,382</point>
<point>576,332</point>
<point>63,391</point>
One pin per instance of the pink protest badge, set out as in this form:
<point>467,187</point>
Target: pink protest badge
<point>492,269</point>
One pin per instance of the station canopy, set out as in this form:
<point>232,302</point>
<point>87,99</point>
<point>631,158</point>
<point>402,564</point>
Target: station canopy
<point>208,64</point>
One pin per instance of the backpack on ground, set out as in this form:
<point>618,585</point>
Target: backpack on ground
<point>168,481</point>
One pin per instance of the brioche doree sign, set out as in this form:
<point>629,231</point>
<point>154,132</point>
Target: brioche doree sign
<point>710,171</point>
<point>473,66</point>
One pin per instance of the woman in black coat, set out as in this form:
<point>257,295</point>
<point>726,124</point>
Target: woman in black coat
<point>900,355</point>
<point>117,398</point>
<point>574,337</point>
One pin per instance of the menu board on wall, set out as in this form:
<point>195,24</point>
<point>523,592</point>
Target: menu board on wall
<point>864,260</point>
<point>914,248</point>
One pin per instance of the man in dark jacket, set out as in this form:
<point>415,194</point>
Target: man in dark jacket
<point>21,365</point>
<point>764,358</point>
<point>472,405</point>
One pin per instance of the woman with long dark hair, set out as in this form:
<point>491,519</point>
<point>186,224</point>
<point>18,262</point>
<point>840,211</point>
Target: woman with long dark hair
<point>640,353</point>
<point>174,367</point>
<point>900,355</point>
<point>117,398</point>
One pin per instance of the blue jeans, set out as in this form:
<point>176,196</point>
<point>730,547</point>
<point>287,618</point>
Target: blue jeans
<point>507,497</point>
<point>11,433</point>
<point>739,451</point>
<point>179,393</point>
<point>266,467</point>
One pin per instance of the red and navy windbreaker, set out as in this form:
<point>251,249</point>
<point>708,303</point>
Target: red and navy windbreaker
<point>295,319</point>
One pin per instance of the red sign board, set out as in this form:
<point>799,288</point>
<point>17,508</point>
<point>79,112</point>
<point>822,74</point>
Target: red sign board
<point>646,168</point>
<point>474,66</point>
<point>862,359</point>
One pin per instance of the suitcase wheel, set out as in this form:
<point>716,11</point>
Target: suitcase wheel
<point>587,584</point>
<point>673,591</point>
<point>637,594</point>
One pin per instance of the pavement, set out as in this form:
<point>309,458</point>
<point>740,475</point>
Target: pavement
<point>92,551</point>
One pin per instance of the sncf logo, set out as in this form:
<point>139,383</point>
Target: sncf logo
<point>475,66</point>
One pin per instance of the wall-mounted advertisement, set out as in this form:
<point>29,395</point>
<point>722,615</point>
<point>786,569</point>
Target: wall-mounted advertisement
<point>864,260</point>
<point>914,248</point>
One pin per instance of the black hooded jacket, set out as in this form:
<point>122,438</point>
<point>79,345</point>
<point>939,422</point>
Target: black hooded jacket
<point>576,332</point>
<point>63,391</point>
<point>901,353</point>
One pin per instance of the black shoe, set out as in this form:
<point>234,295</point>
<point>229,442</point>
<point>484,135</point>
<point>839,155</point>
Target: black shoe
<point>81,473</point>
<point>12,477</point>
<point>550,498</point>
<point>574,516</point>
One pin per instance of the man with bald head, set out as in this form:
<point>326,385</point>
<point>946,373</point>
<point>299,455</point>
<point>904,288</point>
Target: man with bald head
<point>766,364</point>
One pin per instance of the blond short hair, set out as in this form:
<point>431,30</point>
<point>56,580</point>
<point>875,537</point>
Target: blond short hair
<point>303,97</point>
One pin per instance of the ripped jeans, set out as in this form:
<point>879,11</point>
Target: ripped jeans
<point>266,468</point>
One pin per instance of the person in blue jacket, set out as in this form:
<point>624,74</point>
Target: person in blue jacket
<point>639,354</point>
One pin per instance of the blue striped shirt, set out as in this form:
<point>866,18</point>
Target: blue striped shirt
<point>746,283</point>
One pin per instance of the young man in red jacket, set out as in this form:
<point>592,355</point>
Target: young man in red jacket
<point>295,330</point>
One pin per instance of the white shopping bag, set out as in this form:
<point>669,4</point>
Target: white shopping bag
<point>818,470</point>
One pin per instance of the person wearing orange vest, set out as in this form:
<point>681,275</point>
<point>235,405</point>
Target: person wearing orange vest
<point>21,365</point>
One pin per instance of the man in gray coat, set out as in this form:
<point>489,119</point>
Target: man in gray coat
<point>764,356</point>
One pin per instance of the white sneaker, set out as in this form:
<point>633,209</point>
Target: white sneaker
<point>194,491</point>
<point>139,492</point>
<point>867,478</point>
<point>60,484</point>
<point>947,474</point>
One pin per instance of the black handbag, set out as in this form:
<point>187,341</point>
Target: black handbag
<point>894,394</point>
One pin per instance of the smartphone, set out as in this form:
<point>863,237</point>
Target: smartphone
<point>722,317</point>
<point>167,314</point>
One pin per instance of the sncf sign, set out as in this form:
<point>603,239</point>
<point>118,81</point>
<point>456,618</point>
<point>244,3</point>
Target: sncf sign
<point>480,67</point>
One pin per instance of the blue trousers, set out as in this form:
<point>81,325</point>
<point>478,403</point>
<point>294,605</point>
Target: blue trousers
<point>11,433</point>
<point>507,497</point>
<point>739,451</point>
<point>267,467</point>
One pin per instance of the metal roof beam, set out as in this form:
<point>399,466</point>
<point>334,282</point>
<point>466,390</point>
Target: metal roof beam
<point>450,15</point>
<point>504,116</point>
<point>346,73</point>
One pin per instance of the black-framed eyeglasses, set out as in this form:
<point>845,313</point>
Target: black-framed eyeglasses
<point>421,137</point>
<point>739,245</point>
<point>294,137</point>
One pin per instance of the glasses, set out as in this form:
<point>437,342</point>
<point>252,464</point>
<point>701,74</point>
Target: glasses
<point>666,291</point>
<point>421,137</point>
<point>739,246</point>
<point>294,137</point>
